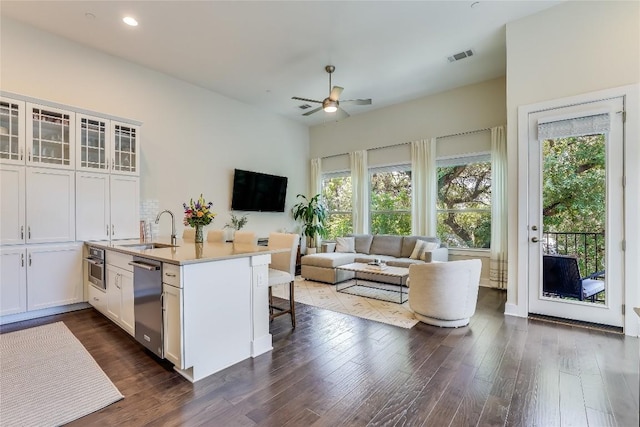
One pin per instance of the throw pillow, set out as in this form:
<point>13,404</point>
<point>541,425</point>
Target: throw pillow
<point>422,247</point>
<point>345,244</point>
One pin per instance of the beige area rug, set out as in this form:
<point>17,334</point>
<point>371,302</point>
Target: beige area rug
<point>325,296</point>
<point>48,378</point>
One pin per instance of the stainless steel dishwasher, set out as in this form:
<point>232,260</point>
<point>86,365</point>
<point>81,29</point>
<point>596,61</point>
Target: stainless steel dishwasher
<point>147,293</point>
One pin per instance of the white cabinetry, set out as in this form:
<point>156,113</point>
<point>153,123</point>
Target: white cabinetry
<point>12,135</point>
<point>38,205</point>
<point>50,137</point>
<point>107,146</point>
<point>50,200</point>
<point>12,198</point>
<point>97,298</point>
<point>173,318</point>
<point>13,281</point>
<point>54,275</point>
<point>107,206</point>
<point>124,207</point>
<point>120,298</point>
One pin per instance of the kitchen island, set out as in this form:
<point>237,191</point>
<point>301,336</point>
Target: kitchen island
<point>214,300</point>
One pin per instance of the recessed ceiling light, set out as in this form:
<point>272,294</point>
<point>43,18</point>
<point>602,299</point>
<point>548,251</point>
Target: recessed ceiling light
<point>129,20</point>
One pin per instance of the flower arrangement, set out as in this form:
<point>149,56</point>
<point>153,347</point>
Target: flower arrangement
<point>237,222</point>
<point>198,213</point>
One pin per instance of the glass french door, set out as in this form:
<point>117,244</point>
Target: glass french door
<point>576,217</point>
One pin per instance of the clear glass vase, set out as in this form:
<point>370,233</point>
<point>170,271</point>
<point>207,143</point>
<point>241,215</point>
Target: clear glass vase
<point>199,234</point>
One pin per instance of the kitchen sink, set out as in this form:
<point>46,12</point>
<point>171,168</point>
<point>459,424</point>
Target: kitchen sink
<point>143,246</point>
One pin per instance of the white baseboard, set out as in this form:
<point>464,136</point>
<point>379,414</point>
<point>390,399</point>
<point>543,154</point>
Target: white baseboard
<point>513,310</point>
<point>261,345</point>
<point>28,315</point>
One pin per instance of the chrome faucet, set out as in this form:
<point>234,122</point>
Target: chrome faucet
<point>173,225</point>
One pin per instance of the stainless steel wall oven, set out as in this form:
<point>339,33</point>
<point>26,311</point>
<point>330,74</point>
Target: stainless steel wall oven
<point>96,268</point>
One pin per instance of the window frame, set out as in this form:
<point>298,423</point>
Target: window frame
<point>397,167</point>
<point>458,160</point>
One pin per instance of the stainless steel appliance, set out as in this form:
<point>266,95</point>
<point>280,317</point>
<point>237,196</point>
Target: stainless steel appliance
<point>147,293</point>
<point>95,268</point>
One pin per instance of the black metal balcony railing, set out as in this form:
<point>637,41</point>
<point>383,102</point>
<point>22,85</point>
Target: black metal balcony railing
<point>589,248</point>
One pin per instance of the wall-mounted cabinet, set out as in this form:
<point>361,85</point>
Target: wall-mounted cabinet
<point>107,146</point>
<point>107,206</point>
<point>12,137</point>
<point>65,176</point>
<point>50,136</point>
<point>42,205</point>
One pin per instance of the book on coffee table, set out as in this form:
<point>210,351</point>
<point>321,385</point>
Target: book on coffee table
<point>374,265</point>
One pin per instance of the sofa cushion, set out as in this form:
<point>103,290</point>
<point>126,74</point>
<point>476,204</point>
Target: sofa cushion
<point>409,243</point>
<point>328,260</point>
<point>384,244</point>
<point>403,262</point>
<point>422,247</point>
<point>363,243</point>
<point>371,257</point>
<point>345,244</point>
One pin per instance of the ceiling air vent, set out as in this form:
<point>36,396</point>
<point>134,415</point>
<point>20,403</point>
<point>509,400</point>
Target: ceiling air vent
<point>304,106</point>
<point>461,55</point>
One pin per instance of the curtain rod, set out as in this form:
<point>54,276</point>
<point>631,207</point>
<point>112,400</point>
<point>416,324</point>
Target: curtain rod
<point>405,143</point>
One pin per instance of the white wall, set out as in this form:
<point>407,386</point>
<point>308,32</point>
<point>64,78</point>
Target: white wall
<point>464,109</point>
<point>192,138</point>
<point>568,50</point>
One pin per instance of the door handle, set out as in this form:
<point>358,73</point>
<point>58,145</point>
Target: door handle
<point>91,261</point>
<point>535,239</point>
<point>107,229</point>
<point>29,260</point>
<point>21,260</point>
<point>113,230</point>
<point>144,266</point>
<point>22,232</point>
<point>29,232</point>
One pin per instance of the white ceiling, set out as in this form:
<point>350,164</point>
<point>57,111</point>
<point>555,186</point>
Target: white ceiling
<point>264,52</point>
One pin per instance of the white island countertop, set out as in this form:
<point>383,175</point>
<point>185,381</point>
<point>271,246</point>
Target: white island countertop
<point>186,252</point>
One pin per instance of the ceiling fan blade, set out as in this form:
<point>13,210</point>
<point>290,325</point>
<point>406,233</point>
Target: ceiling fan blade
<point>341,114</point>
<point>312,111</point>
<point>356,101</point>
<point>335,93</point>
<point>306,99</point>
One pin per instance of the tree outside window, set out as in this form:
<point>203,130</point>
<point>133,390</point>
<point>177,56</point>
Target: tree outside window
<point>390,200</point>
<point>464,202</point>
<point>336,193</point>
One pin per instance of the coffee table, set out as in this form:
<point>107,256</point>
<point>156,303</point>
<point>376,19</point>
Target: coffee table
<point>379,287</point>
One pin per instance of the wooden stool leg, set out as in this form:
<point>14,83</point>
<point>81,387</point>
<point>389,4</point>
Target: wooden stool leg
<point>292,305</point>
<point>270,301</point>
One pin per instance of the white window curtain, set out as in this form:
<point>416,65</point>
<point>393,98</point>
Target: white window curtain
<point>315,183</point>
<point>424,187</point>
<point>360,187</point>
<point>499,208</point>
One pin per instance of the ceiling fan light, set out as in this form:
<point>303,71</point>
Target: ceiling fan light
<point>329,105</point>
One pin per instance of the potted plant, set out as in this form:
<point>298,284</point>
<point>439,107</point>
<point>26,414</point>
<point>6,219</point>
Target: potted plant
<point>235,223</point>
<point>313,215</point>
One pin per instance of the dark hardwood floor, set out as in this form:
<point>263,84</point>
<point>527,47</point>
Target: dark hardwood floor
<point>338,370</point>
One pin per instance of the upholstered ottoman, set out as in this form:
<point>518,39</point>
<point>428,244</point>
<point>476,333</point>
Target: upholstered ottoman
<point>322,267</point>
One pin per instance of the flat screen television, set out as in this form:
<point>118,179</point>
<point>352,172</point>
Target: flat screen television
<point>260,192</point>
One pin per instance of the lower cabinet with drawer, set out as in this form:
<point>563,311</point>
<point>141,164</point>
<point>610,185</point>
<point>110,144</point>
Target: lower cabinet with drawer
<point>172,297</point>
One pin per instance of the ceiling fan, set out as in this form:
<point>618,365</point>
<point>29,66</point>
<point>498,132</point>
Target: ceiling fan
<point>332,103</point>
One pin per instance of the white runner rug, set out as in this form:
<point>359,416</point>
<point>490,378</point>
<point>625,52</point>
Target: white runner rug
<point>325,296</point>
<point>48,378</point>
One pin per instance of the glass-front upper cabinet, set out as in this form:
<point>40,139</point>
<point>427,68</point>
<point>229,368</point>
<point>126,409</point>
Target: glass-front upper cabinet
<point>50,136</point>
<point>92,143</point>
<point>126,149</point>
<point>11,131</point>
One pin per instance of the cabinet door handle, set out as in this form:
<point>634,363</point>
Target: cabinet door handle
<point>21,260</point>
<point>118,280</point>
<point>107,229</point>
<point>22,232</point>
<point>21,151</point>
<point>113,163</point>
<point>170,274</point>
<point>113,230</point>
<point>29,232</point>
<point>29,154</point>
<point>29,260</point>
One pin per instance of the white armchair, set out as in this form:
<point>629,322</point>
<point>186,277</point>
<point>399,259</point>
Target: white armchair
<point>444,293</point>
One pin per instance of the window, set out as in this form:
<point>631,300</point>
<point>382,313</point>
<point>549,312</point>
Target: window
<point>336,193</point>
<point>464,201</point>
<point>390,200</point>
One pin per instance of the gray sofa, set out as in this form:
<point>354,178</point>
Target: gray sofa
<point>394,250</point>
